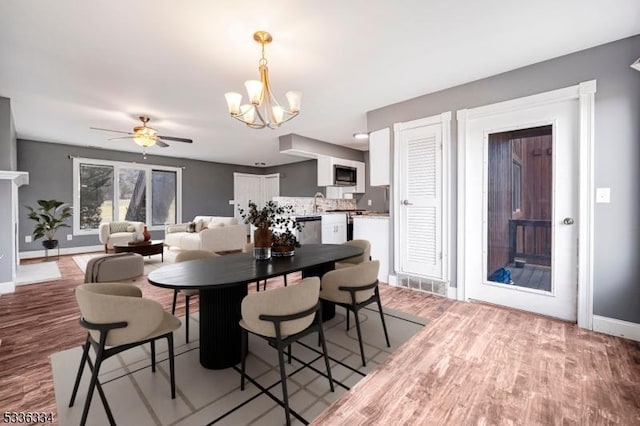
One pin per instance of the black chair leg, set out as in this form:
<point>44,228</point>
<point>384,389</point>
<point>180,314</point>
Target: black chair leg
<point>285,280</point>
<point>384,326</point>
<point>347,311</point>
<point>103,398</point>
<point>326,356</point>
<point>243,356</point>
<point>258,285</point>
<point>153,355</point>
<point>85,353</point>
<point>289,354</point>
<point>172,372</point>
<point>175,299</point>
<point>92,386</point>
<point>283,379</point>
<point>186,319</point>
<point>364,363</point>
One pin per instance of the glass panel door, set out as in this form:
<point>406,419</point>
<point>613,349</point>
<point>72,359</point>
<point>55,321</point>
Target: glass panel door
<point>132,197</point>
<point>519,208</point>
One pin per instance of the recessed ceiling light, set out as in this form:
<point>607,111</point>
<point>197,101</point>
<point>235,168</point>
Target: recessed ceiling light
<point>361,135</point>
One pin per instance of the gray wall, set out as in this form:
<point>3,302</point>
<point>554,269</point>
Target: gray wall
<point>207,187</point>
<point>6,242</point>
<point>617,151</point>
<point>8,150</point>
<point>379,196</point>
<point>297,179</point>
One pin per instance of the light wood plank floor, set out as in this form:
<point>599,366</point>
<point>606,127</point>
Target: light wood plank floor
<point>474,363</point>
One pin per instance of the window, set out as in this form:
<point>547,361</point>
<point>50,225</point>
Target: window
<point>117,191</point>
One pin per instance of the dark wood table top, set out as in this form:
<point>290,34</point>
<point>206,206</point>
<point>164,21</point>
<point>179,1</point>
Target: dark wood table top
<point>242,268</point>
<point>148,244</point>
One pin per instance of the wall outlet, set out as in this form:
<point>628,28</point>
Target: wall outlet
<point>232,202</point>
<point>69,237</point>
<point>368,202</point>
<point>27,239</point>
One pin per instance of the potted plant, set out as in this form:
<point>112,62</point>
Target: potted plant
<point>269,220</point>
<point>49,216</point>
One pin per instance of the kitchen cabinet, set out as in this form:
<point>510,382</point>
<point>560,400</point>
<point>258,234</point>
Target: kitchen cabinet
<point>375,229</point>
<point>325,171</point>
<point>379,158</point>
<point>334,228</point>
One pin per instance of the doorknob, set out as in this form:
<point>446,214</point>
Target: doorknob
<point>406,203</point>
<point>568,221</point>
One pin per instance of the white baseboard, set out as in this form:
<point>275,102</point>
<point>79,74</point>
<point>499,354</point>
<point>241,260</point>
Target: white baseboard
<point>68,250</point>
<point>616,327</point>
<point>393,281</point>
<point>452,293</point>
<point>7,287</point>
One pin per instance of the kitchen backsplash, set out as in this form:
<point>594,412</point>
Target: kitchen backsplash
<point>306,205</point>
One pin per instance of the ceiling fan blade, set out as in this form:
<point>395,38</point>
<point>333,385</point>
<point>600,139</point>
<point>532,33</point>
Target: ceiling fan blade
<point>171,138</point>
<point>109,130</point>
<point>161,144</point>
<point>121,138</point>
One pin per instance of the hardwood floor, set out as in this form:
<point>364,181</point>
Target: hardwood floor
<point>473,364</point>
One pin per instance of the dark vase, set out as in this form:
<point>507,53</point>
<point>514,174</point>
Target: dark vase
<point>50,244</point>
<point>262,240</point>
<point>147,235</point>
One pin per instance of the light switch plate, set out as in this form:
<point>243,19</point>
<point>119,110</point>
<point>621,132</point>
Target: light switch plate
<point>27,239</point>
<point>69,237</point>
<point>603,195</point>
<point>368,202</point>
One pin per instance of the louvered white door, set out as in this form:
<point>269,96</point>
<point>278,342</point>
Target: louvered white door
<point>420,194</point>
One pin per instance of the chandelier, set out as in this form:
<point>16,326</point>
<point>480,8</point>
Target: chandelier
<point>263,110</point>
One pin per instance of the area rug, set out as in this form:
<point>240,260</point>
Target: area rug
<point>138,396</point>
<point>39,272</point>
<point>151,263</point>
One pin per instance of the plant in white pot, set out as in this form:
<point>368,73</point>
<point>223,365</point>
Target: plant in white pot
<point>49,217</point>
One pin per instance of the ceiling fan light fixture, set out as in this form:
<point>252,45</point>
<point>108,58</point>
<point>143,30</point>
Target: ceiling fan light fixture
<point>263,109</point>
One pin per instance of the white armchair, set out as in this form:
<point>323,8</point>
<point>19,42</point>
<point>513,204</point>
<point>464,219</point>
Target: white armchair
<point>111,233</point>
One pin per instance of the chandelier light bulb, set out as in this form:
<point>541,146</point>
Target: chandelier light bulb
<point>254,90</point>
<point>233,102</point>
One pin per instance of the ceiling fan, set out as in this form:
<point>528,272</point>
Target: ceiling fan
<point>145,136</point>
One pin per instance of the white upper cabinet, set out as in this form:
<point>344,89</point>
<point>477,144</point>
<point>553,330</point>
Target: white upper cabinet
<point>379,158</point>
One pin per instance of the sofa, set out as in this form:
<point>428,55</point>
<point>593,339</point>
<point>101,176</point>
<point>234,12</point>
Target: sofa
<point>111,233</point>
<point>211,233</point>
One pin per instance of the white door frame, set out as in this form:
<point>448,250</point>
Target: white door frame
<point>585,93</point>
<point>445,120</point>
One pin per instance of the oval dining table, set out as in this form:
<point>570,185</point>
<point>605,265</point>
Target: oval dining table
<point>222,282</point>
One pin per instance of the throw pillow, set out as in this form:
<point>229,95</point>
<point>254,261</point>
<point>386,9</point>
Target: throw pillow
<point>191,227</point>
<point>199,223</point>
<point>131,228</point>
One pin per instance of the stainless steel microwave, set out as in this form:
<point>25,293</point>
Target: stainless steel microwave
<point>344,175</point>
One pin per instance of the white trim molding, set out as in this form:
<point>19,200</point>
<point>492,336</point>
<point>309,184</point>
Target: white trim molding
<point>34,254</point>
<point>584,93</point>
<point>616,327</point>
<point>7,287</point>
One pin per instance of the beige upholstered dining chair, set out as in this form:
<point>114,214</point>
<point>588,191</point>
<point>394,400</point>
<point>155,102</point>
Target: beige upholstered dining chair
<point>118,318</point>
<point>364,245</point>
<point>183,256</point>
<point>282,316</point>
<point>354,288</point>
<point>114,267</point>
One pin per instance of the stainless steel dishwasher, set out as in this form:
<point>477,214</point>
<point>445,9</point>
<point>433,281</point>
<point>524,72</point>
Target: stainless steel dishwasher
<point>311,229</point>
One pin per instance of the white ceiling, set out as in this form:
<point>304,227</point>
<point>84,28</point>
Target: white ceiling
<point>71,64</point>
